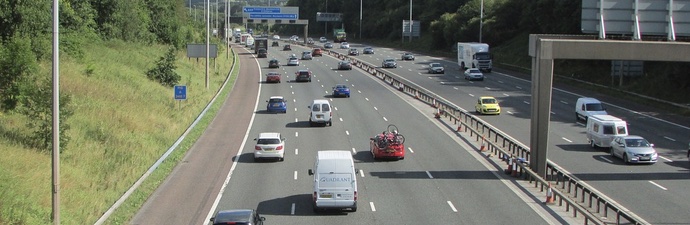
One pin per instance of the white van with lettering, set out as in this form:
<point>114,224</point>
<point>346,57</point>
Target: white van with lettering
<point>602,129</point>
<point>335,181</point>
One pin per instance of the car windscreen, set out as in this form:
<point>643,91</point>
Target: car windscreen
<point>268,141</point>
<point>489,101</point>
<point>636,143</point>
<point>435,65</point>
<point>594,107</point>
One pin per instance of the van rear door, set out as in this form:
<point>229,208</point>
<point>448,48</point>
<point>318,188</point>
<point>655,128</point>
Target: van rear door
<point>336,190</point>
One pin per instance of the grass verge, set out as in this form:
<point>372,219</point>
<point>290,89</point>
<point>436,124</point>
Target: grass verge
<point>122,123</point>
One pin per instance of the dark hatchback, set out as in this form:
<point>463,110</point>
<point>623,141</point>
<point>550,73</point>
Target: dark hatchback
<point>274,63</point>
<point>262,53</point>
<point>238,216</point>
<point>303,76</point>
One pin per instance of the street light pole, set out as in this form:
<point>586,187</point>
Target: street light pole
<point>55,192</point>
<point>410,20</point>
<point>481,17</point>
<point>360,19</point>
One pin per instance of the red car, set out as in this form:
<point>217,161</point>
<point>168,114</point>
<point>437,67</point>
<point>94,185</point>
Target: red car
<point>316,52</point>
<point>273,77</point>
<point>388,145</point>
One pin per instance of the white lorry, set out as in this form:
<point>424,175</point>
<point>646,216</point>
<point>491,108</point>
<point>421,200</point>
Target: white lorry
<point>474,55</point>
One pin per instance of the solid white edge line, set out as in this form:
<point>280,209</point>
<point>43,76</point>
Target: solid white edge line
<point>429,174</point>
<point>452,206</point>
<point>373,208</point>
<point>662,187</point>
<point>239,153</point>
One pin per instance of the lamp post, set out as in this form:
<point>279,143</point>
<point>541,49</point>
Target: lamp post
<point>360,19</point>
<point>410,20</point>
<point>481,17</point>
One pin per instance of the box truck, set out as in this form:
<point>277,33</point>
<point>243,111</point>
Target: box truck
<point>474,55</point>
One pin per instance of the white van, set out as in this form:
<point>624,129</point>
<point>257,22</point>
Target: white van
<point>602,129</point>
<point>335,181</point>
<point>250,42</point>
<point>320,112</point>
<point>586,107</point>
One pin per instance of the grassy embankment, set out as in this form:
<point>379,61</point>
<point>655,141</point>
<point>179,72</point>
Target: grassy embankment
<point>122,123</point>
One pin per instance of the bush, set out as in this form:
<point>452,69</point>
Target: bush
<point>37,105</point>
<point>164,72</point>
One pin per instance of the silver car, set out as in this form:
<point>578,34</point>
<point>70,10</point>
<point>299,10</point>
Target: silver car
<point>473,74</point>
<point>633,149</point>
<point>389,63</point>
<point>436,68</point>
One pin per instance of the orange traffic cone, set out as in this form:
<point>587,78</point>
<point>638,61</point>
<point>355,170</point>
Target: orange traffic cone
<point>549,196</point>
<point>509,170</point>
<point>515,170</point>
<point>483,147</point>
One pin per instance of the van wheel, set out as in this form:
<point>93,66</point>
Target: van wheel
<point>330,123</point>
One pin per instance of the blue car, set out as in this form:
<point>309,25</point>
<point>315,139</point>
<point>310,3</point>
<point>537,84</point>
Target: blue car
<point>341,90</point>
<point>276,104</point>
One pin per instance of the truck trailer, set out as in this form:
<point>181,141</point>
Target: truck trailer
<point>474,55</point>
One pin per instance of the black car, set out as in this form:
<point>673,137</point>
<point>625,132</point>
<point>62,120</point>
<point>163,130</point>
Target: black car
<point>344,65</point>
<point>408,56</point>
<point>275,44</point>
<point>238,216</point>
<point>287,48</point>
<point>303,76</point>
<point>273,63</point>
<point>262,53</point>
<point>368,50</point>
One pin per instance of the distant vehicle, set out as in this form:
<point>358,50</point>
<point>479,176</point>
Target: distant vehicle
<point>276,37</point>
<point>341,90</point>
<point>407,56</point>
<point>323,39</point>
<point>306,55</point>
<point>303,76</point>
<point>389,145</point>
<point>602,129</point>
<point>260,43</point>
<point>287,48</point>
<point>237,216</point>
<point>328,45</point>
<point>293,62</point>
<point>389,63</point>
<point>339,35</point>
<point>353,51</point>
<point>474,55</point>
<point>487,105</point>
<point>473,74</point>
<point>276,104</point>
<point>269,145</point>
<point>335,181</point>
<point>633,149</point>
<point>275,44</point>
<point>273,63</point>
<point>316,52</point>
<point>273,77</point>
<point>344,65</point>
<point>586,107</point>
<point>344,45</point>
<point>310,41</point>
<point>249,42</point>
<point>262,53</point>
<point>368,50</point>
<point>436,68</point>
<point>320,112</point>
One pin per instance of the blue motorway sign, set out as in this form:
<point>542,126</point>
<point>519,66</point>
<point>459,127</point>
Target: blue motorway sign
<point>180,92</point>
<point>272,16</point>
<point>261,9</point>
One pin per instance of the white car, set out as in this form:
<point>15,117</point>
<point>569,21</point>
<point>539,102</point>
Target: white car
<point>276,37</point>
<point>293,62</point>
<point>473,74</point>
<point>344,45</point>
<point>269,145</point>
<point>323,39</point>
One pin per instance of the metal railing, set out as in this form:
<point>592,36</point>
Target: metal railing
<point>578,197</point>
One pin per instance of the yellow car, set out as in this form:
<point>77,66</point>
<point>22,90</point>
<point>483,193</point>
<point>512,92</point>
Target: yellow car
<point>487,105</point>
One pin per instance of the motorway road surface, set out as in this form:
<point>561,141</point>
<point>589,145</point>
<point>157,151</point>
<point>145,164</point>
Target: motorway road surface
<point>658,193</point>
